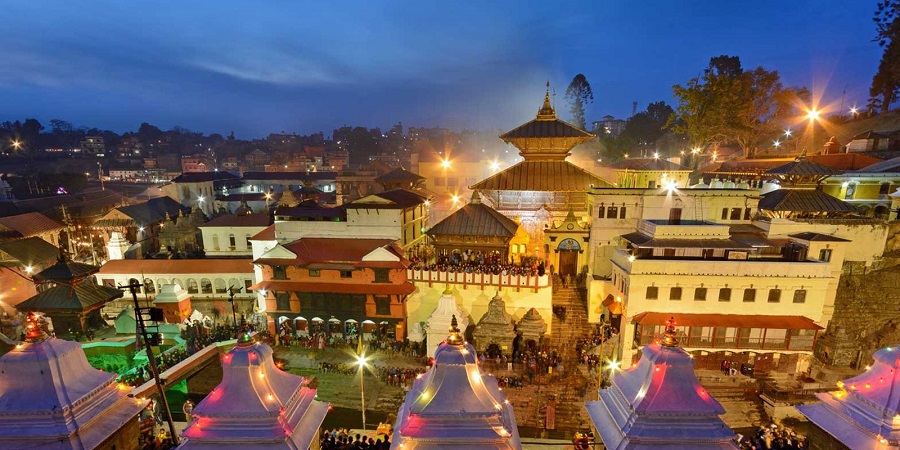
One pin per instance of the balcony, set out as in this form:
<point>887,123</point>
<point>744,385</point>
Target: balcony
<point>481,280</point>
<point>753,267</point>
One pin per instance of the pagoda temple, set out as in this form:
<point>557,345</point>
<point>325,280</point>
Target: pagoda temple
<point>51,398</point>
<point>70,299</point>
<point>454,405</point>
<point>659,403</point>
<point>257,406</point>
<point>864,412</point>
<point>544,186</point>
<point>477,227</point>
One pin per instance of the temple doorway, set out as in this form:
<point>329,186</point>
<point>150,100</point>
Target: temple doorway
<point>568,257</point>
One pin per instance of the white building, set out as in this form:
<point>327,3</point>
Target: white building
<point>230,234</point>
<point>206,280</point>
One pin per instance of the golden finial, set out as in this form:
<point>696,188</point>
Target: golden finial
<point>454,338</point>
<point>546,112</point>
<point>670,336</point>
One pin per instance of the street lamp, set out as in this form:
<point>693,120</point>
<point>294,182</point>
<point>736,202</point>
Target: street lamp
<point>361,361</point>
<point>813,116</point>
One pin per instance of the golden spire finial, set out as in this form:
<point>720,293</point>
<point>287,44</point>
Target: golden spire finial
<point>670,336</point>
<point>35,328</point>
<point>546,112</point>
<point>454,338</point>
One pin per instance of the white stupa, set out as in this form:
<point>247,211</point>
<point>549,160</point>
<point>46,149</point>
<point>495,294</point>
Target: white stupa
<point>455,406</point>
<point>439,321</point>
<point>256,407</point>
<point>51,398</point>
<point>659,403</point>
<point>864,412</point>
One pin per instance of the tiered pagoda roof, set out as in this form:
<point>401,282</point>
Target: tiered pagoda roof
<point>51,397</point>
<point>544,143</point>
<point>257,406</point>
<point>475,219</point>
<point>865,410</point>
<point>454,405</point>
<point>659,403</point>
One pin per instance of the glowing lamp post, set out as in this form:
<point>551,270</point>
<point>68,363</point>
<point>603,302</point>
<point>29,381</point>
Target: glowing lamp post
<point>361,360</point>
<point>813,116</point>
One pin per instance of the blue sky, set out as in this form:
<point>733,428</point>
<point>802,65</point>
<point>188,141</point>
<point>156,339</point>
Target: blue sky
<point>268,66</point>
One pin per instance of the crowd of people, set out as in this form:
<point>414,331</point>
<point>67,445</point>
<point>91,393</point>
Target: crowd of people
<point>772,438</point>
<point>342,440</point>
<point>480,262</point>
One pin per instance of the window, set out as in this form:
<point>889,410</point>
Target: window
<point>346,274</point>
<point>774,295</point>
<point>601,210</point>
<point>314,273</point>
<point>749,295</point>
<point>884,189</point>
<point>247,241</point>
<point>652,293</point>
<point>851,190</point>
<point>700,294</point>
<point>651,184</point>
<point>206,286</point>
<point>283,301</point>
<point>382,276</point>
<point>192,286</point>
<point>825,254</point>
<point>622,212</point>
<point>247,284</point>
<point>724,213</point>
<point>746,213</point>
<point>382,305</point>
<point>735,213</point>
<point>148,286</point>
<point>612,212</point>
<point>800,296</point>
<point>725,295</point>
<point>215,242</point>
<point>452,182</point>
<point>231,241</point>
<point>220,286</point>
<point>675,293</point>
<point>439,181</point>
<point>279,273</point>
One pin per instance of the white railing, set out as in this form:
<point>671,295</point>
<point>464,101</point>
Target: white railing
<point>479,279</point>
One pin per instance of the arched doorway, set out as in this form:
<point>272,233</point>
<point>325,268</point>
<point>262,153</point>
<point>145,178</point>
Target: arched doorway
<point>318,325</point>
<point>351,327</point>
<point>335,328</point>
<point>284,325</point>
<point>368,329</point>
<point>301,326</point>
<point>568,257</point>
<point>882,212</point>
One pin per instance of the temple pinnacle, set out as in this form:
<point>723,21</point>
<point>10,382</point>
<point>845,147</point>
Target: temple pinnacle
<point>670,336</point>
<point>454,338</point>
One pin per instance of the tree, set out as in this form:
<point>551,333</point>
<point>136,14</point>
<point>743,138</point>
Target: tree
<point>886,81</point>
<point>579,94</point>
<point>647,126</point>
<point>728,104</point>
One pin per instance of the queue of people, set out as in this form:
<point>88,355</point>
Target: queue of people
<point>342,440</point>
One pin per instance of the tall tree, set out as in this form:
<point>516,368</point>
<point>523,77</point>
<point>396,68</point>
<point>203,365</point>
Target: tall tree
<point>647,126</point>
<point>729,104</point>
<point>886,81</point>
<point>579,94</point>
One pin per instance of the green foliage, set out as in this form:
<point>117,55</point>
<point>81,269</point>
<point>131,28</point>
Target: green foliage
<point>647,126</point>
<point>579,94</point>
<point>886,81</point>
<point>110,362</point>
<point>729,104</point>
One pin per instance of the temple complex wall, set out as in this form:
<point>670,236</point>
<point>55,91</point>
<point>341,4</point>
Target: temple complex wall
<point>474,301</point>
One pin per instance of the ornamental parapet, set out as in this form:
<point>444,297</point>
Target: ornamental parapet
<point>480,280</point>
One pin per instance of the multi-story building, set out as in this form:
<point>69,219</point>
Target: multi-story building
<point>93,146</point>
<point>229,235</point>
<point>206,280</point>
<point>195,164</point>
<point>200,188</point>
<point>338,286</point>
<point>608,126</point>
<point>868,188</point>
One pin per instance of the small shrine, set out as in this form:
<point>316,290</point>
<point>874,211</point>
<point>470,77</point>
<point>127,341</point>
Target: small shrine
<point>51,397</point>
<point>567,241</point>
<point>181,234</point>
<point>455,405</point>
<point>659,403</point>
<point>175,303</point>
<point>70,299</point>
<point>447,308</point>
<point>496,327</point>
<point>257,406</point>
<point>864,412</point>
<point>477,227</point>
<point>117,246</point>
<point>532,326</point>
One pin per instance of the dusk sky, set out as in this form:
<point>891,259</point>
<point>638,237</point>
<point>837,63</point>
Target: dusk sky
<point>268,66</point>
